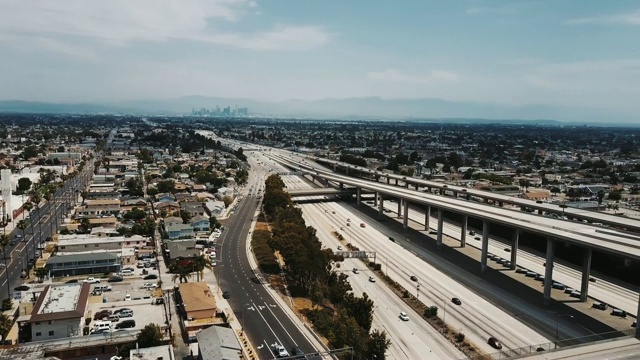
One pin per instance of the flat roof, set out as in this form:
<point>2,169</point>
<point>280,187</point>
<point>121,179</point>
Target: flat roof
<point>85,239</point>
<point>197,296</point>
<point>58,302</point>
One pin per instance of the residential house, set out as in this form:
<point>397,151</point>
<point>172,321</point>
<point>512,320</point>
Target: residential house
<point>165,197</point>
<point>214,208</point>
<point>182,249</point>
<point>217,343</point>
<point>178,230</point>
<point>193,208</point>
<point>224,191</point>
<point>198,300</point>
<point>168,207</point>
<point>200,223</point>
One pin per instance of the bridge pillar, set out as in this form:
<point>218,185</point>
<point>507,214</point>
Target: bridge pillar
<point>396,181</point>
<point>417,187</point>
<point>406,185</point>
<point>468,197</point>
<point>440,223</point>
<point>486,200</point>
<point>441,191</point>
<point>463,231</point>
<point>335,167</point>
<point>515,239</point>
<point>341,186</point>
<point>429,189</point>
<point>638,327</point>
<point>548,273</point>
<point>358,196</point>
<point>400,201</point>
<point>388,180</point>
<point>381,206</point>
<point>586,273</point>
<point>455,194</point>
<point>485,245</point>
<point>405,220</point>
<point>427,216</point>
<point>500,203</point>
<point>375,199</point>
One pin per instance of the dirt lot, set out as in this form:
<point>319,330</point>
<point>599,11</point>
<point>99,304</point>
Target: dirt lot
<point>262,226</point>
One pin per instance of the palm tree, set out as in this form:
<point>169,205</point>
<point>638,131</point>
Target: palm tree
<point>35,199</point>
<point>48,195</point>
<point>200,263</point>
<point>5,325</point>
<point>41,273</point>
<point>27,207</point>
<point>4,241</point>
<point>22,225</point>
<point>181,273</point>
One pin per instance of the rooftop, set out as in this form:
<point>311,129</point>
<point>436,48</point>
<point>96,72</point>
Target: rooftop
<point>197,296</point>
<point>163,352</point>
<point>58,302</point>
<point>82,239</point>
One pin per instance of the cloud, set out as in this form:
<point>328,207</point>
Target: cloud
<point>630,18</point>
<point>394,75</point>
<point>123,22</point>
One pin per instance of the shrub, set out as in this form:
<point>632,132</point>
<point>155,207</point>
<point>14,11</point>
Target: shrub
<point>460,337</point>
<point>430,312</point>
<point>405,294</point>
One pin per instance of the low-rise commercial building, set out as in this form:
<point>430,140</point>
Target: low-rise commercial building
<point>59,311</point>
<point>83,264</point>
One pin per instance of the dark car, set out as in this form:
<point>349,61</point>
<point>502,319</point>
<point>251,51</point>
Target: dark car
<point>494,343</point>
<point>115,279</point>
<point>126,324</point>
<point>297,353</point>
<point>507,249</point>
<point>392,239</point>
<point>456,301</point>
<point>72,281</point>
<point>150,277</point>
<point>21,288</point>
<point>101,315</point>
<point>413,278</point>
<point>226,295</point>
<point>600,306</point>
<point>121,310</point>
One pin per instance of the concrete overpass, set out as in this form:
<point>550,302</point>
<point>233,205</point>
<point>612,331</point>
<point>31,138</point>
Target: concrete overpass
<point>407,181</point>
<point>319,191</point>
<point>554,230</point>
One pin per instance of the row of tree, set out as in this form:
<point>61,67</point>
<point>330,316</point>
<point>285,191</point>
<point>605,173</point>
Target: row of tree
<point>342,317</point>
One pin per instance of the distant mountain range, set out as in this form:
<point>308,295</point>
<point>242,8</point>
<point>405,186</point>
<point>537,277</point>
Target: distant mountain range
<point>371,108</point>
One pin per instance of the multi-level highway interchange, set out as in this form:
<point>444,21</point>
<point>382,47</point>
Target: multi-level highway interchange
<point>487,310</point>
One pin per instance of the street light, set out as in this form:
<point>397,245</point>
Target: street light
<point>418,291</point>
<point>555,343</point>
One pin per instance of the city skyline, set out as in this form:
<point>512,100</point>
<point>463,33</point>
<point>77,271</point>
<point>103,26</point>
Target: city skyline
<point>507,54</point>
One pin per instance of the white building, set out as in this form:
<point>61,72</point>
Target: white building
<point>59,311</point>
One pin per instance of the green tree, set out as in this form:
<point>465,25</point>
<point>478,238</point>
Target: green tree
<point>166,186</point>
<point>378,345</point>
<point>135,214</point>
<point>186,216</point>
<point>24,184</point>
<point>4,241</point>
<point>5,325</point>
<point>600,196</point>
<point>22,225</point>
<point>85,225</point>
<point>361,309</point>
<point>41,273</point>
<point>151,191</point>
<point>615,195</point>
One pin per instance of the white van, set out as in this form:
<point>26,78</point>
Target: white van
<point>126,272</point>
<point>101,326</point>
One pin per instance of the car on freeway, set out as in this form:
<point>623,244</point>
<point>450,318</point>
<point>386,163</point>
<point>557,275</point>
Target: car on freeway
<point>392,239</point>
<point>494,343</point>
<point>279,350</point>
<point>348,224</point>
<point>477,238</point>
<point>356,271</point>
<point>226,295</point>
<point>362,225</point>
<point>297,353</point>
<point>372,279</point>
<point>403,316</point>
<point>348,220</point>
<point>433,232</point>
<point>341,227</point>
<point>507,249</point>
<point>600,306</point>
<point>456,301</point>
<point>413,278</point>
<point>115,279</point>
<point>333,212</point>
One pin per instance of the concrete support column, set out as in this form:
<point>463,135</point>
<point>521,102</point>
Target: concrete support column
<point>406,185</point>
<point>388,180</point>
<point>405,219</point>
<point>463,231</point>
<point>638,327</point>
<point>586,273</point>
<point>358,195</point>
<point>515,239</point>
<point>539,212</point>
<point>375,199</point>
<point>501,204</point>
<point>548,273</point>
<point>400,201</point>
<point>381,206</point>
<point>455,194</point>
<point>441,191</point>
<point>341,186</point>
<point>427,217</point>
<point>346,170</point>
<point>468,197</point>
<point>417,187</point>
<point>485,245</point>
<point>396,181</point>
<point>440,221</point>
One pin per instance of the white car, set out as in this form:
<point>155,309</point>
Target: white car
<point>92,280</point>
<point>149,286</point>
<point>403,316</point>
<point>280,351</point>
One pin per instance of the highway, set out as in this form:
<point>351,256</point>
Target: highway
<point>43,227</point>
<point>477,318</point>
<point>264,321</point>
<point>602,290</point>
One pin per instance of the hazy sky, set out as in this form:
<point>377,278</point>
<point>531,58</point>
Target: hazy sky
<point>574,53</point>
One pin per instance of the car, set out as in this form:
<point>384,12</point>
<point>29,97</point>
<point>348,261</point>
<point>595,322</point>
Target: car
<point>12,243</point>
<point>372,279</point>
<point>92,280</point>
<point>115,279</point>
<point>226,295</point>
<point>456,301</point>
<point>592,279</point>
<point>126,324</point>
<point>341,227</point>
<point>403,316</point>
<point>413,278</point>
<point>150,277</point>
<point>600,306</point>
<point>477,238</point>
<point>521,270</point>
<point>339,247</point>
<point>559,286</point>
<point>362,225</point>
<point>392,239</point>
<point>433,232</point>
<point>507,249</point>
<point>21,288</point>
<point>348,224</point>
<point>122,310</point>
<point>355,270</point>
<point>348,220</point>
<point>333,212</point>
<point>619,313</point>
<point>495,258</point>
<point>279,350</point>
<point>494,343</point>
<point>149,286</point>
<point>472,233</point>
<point>575,294</point>
<point>102,314</point>
<point>72,281</point>
<point>297,352</point>
<point>634,324</point>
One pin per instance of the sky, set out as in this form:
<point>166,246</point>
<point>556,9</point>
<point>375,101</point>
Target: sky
<point>582,53</point>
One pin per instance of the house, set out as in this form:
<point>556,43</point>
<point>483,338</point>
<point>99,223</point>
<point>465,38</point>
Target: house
<point>134,202</point>
<point>59,311</point>
<point>198,300</point>
<point>167,206</point>
<point>193,208</point>
<point>214,208</point>
<point>83,264</point>
<point>178,230</point>
<point>110,221</point>
<point>224,191</point>
<point>200,223</point>
<point>172,220</point>
<point>83,242</point>
<point>218,343</point>
<point>165,197</point>
<point>160,352</point>
<point>182,249</point>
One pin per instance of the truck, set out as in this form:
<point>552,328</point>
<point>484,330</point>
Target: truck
<point>92,280</point>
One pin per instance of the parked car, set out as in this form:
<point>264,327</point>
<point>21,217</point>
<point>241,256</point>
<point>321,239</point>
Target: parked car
<point>21,288</point>
<point>619,313</point>
<point>126,324</point>
<point>149,286</point>
<point>150,277</point>
<point>494,343</point>
<point>600,306</point>
<point>92,280</point>
<point>115,279</point>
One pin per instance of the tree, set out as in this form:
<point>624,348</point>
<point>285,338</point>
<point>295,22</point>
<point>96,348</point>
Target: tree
<point>186,216</point>
<point>600,198</point>
<point>166,186</point>
<point>228,200</point>
<point>378,345</point>
<point>150,336</point>
<point>41,273</point>
<point>151,191</point>
<point>615,195</point>
<point>22,225</point>
<point>84,195</point>
<point>4,241</point>
<point>181,273</point>
<point>24,184</point>
<point>5,325</point>
<point>135,214</point>
<point>85,225</point>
